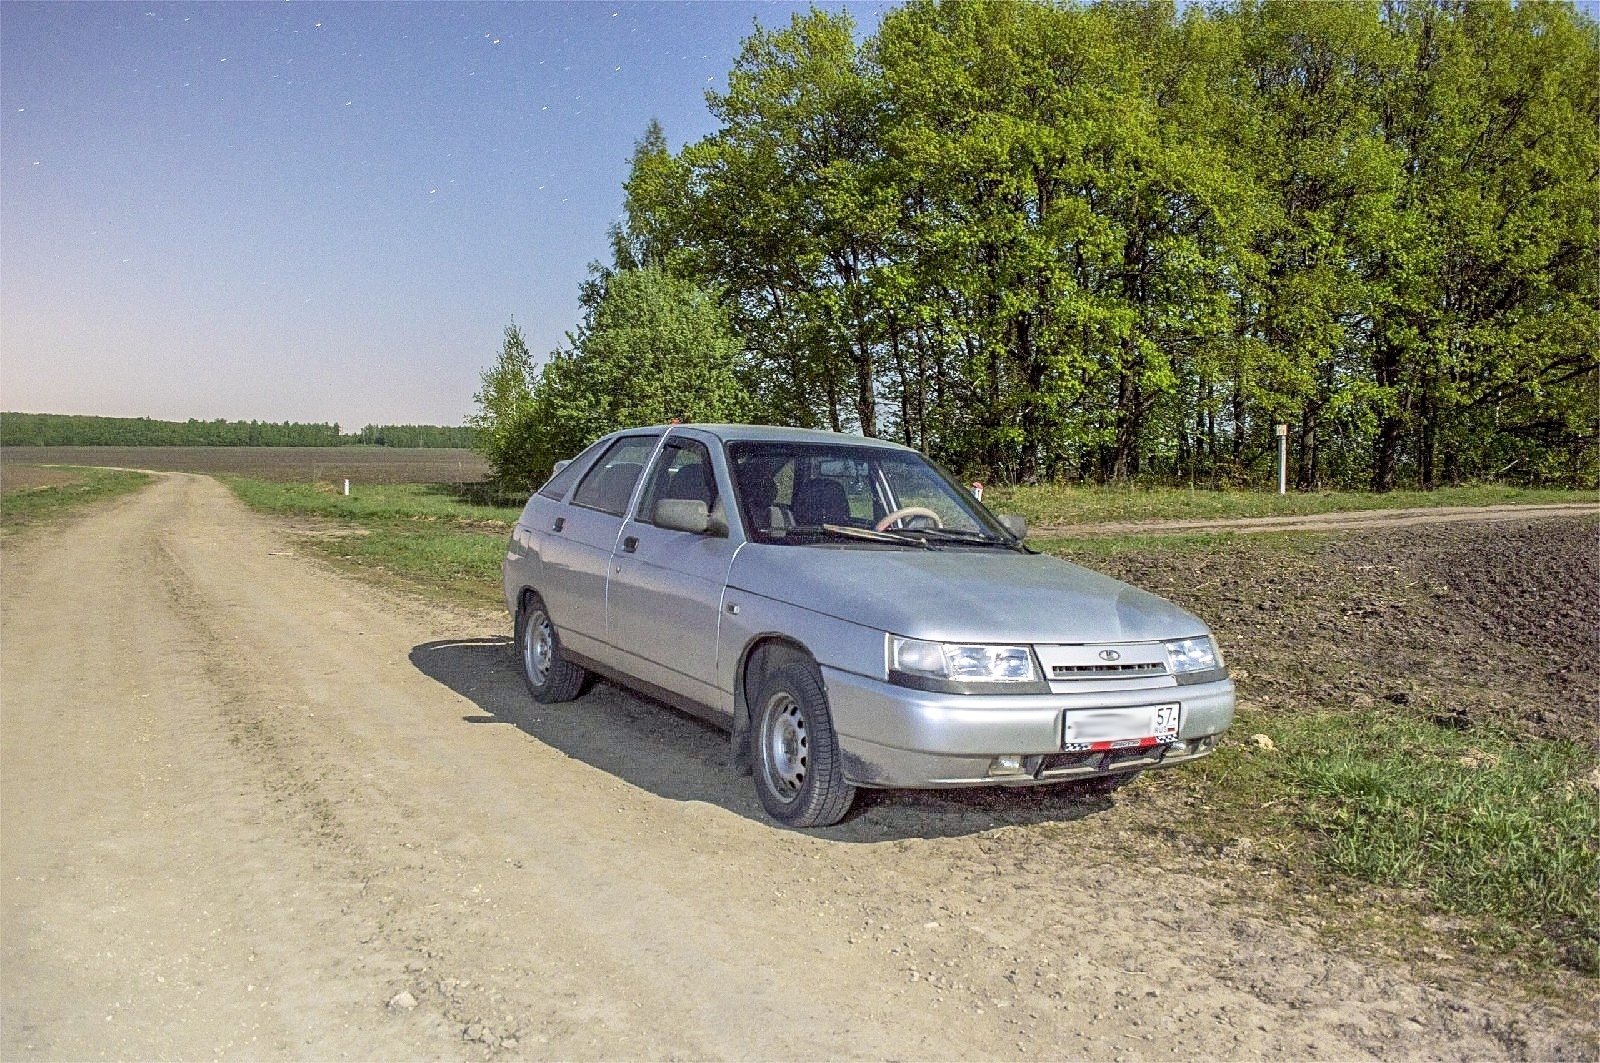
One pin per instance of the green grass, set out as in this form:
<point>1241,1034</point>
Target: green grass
<point>1057,504</point>
<point>460,565</point>
<point>1502,832</point>
<point>28,506</point>
<point>422,536</point>
<point>373,504</point>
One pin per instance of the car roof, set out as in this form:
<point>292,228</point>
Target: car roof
<point>732,433</point>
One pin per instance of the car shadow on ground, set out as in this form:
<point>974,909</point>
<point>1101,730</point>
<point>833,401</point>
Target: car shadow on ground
<point>680,757</point>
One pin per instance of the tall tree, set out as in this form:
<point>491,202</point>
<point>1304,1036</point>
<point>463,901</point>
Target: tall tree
<point>654,348</point>
<point>791,215</point>
<point>1486,352</point>
<point>1317,151</point>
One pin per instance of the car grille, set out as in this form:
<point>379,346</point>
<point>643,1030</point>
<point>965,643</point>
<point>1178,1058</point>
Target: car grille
<point>1067,673</point>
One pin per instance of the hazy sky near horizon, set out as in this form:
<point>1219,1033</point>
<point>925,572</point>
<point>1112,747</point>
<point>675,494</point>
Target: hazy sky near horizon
<point>321,211</point>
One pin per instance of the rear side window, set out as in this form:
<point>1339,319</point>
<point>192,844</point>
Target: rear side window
<point>559,484</point>
<point>608,486</point>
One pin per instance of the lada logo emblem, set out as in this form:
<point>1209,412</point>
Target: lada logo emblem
<point>1110,655</point>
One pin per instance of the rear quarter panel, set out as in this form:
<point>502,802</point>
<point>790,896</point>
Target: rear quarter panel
<point>522,567</point>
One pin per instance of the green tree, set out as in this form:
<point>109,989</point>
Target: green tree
<point>1313,142</point>
<point>1116,239</point>
<point>655,194</point>
<point>653,348</point>
<point>788,214</point>
<point>1485,356</point>
<point>1067,215</point>
<point>503,425</point>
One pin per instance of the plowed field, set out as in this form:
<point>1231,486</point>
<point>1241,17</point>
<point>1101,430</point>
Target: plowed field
<point>310,464</point>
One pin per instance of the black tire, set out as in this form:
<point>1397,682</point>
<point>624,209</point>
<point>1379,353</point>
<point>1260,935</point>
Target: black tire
<point>550,676</point>
<point>799,771</point>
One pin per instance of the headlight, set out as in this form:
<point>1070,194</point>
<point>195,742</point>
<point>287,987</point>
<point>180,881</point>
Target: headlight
<point>963,668</point>
<point>1195,660</point>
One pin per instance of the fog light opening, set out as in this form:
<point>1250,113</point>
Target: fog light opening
<point>1009,764</point>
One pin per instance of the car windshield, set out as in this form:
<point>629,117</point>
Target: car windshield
<point>802,492</point>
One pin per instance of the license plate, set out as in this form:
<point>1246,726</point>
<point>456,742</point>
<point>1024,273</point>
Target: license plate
<point>1130,728</point>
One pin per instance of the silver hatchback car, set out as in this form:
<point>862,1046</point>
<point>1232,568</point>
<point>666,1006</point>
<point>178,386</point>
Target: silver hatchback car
<point>852,615</point>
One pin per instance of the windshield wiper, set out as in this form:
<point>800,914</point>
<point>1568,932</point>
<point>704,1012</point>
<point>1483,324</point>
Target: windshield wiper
<point>867,535</point>
<point>960,535</point>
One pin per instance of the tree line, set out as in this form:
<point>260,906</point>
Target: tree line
<point>49,429</point>
<point>424,436</point>
<point>1117,240</point>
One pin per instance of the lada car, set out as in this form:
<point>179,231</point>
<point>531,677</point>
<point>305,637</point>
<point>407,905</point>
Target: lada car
<point>852,615</point>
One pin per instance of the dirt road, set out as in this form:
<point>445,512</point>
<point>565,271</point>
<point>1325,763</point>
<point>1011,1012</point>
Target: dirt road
<point>254,810</point>
<point>1330,522</point>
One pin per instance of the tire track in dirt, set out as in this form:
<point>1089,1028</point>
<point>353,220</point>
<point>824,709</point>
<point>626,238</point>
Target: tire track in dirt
<point>248,802</point>
<point>147,890</point>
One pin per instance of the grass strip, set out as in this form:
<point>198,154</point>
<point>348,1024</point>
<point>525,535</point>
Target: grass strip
<point>30,506</point>
<point>462,566</point>
<point>1500,830</point>
<point>370,504</point>
<point>424,537</point>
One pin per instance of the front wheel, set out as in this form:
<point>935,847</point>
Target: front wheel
<point>546,670</point>
<point>799,772</point>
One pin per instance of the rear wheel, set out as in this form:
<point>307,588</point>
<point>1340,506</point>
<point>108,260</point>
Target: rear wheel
<point>799,772</point>
<point>546,670</point>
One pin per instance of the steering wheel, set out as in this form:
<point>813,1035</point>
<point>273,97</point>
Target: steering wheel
<point>909,511</point>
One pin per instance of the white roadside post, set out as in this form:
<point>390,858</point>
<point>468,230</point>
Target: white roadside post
<point>347,488</point>
<point>1282,431</point>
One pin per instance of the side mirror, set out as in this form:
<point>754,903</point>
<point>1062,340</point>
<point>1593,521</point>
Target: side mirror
<point>717,522</point>
<point>1015,524</point>
<point>683,514</point>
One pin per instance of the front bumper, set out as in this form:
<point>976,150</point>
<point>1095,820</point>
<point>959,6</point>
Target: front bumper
<point>892,736</point>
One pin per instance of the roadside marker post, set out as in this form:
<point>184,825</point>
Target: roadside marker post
<point>1282,431</point>
<point>347,488</point>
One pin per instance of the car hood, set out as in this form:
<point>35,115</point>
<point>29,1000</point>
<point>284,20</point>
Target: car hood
<point>960,595</point>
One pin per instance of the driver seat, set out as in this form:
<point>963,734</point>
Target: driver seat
<point>821,501</point>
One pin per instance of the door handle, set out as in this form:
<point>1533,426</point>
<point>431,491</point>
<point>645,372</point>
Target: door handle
<point>561,522</point>
<point>630,544</point>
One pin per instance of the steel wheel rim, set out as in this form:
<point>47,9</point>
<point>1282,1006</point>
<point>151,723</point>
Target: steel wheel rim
<point>786,747</point>
<point>539,648</point>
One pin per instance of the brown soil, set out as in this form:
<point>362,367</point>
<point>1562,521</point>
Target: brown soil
<point>19,477</point>
<point>300,464</point>
<point>254,809</point>
<point>1495,621</point>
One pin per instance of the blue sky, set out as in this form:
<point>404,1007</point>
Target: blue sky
<point>320,211</point>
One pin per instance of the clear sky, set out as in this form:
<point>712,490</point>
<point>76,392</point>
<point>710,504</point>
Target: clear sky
<point>321,211</point>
